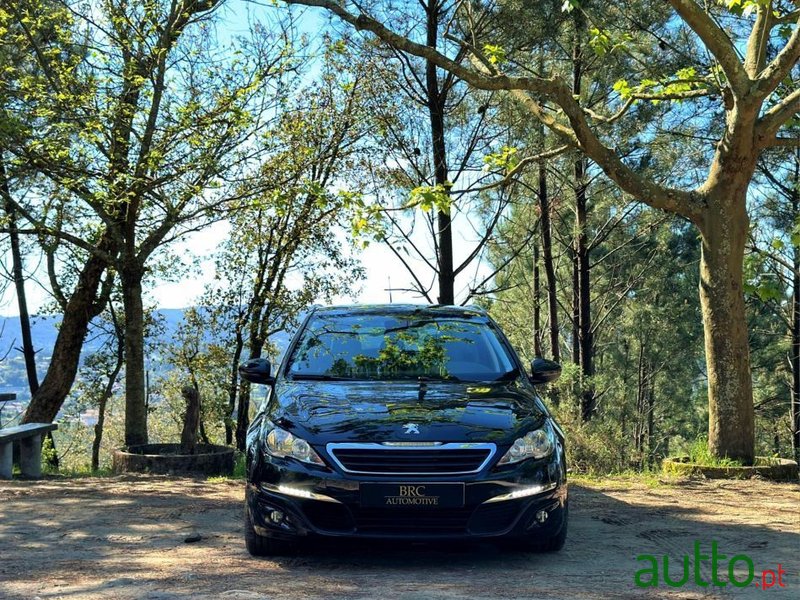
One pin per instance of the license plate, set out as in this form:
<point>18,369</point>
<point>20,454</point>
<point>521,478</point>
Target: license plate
<point>412,495</point>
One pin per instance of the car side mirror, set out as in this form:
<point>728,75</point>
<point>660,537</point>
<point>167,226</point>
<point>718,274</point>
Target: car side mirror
<point>256,370</point>
<point>544,371</point>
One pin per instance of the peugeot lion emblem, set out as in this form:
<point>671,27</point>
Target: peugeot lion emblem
<point>411,428</point>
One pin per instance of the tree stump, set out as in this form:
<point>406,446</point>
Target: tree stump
<point>191,419</point>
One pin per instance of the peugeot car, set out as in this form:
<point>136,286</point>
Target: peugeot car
<point>403,422</point>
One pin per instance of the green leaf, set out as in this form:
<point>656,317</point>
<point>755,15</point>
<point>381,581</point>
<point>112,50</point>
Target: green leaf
<point>427,198</point>
<point>623,88</point>
<point>504,159</point>
<point>495,54</point>
<point>795,234</point>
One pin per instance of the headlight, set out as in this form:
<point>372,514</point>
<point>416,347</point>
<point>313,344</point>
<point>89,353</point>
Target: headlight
<point>283,444</point>
<point>536,444</point>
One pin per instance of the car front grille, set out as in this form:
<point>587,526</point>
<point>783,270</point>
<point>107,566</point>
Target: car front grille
<point>441,459</point>
<point>485,519</point>
<point>412,521</point>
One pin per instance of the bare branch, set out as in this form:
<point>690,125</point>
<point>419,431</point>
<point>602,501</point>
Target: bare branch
<point>786,142</point>
<point>484,239</point>
<point>616,116</point>
<point>790,17</point>
<point>769,124</point>
<point>756,55</point>
<point>782,64</point>
<point>420,287</point>
<point>73,239</point>
<point>518,168</point>
<point>772,256</point>
<point>685,95</point>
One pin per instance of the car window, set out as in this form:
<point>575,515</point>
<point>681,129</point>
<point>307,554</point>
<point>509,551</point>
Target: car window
<point>402,346</point>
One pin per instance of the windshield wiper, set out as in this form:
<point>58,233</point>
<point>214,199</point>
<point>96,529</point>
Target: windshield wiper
<point>318,377</point>
<point>427,378</point>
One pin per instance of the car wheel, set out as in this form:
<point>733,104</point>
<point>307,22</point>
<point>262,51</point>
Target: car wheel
<point>551,543</point>
<point>261,545</point>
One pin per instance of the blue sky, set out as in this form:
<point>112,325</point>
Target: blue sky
<point>382,268</point>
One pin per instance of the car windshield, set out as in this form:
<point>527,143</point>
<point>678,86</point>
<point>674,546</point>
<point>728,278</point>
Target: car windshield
<point>399,346</point>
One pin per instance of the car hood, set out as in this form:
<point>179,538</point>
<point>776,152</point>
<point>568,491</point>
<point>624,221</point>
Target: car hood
<point>375,411</point>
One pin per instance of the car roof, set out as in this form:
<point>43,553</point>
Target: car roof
<point>434,310</point>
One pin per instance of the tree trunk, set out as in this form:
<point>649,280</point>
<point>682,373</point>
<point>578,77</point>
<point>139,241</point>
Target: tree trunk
<point>63,367</point>
<point>795,346</point>
<point>135,401</point>
<point>104,398</point>
<point>537,318</point>
<point>641,390</point>
<point>547,259</point>
<point>28,351</point>
<point>730,390</point>
<point>233,391</point>
<point>243,417</point>
<point>191,419</point>
<point>651,419</point>
<point>436,115</point>
<point>583,296</point>
<point>585,344</point>
<point>243,410</point>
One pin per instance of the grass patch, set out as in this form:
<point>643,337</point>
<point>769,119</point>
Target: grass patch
<point>76,472</point>
<point>239,471</point>
<point>624,479</point>
<point>699,454</point>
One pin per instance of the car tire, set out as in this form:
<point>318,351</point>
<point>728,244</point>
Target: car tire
<point>261,545</point>
<point>552,543</point>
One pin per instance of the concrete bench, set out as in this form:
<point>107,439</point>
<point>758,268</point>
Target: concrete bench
<point>30,448</point>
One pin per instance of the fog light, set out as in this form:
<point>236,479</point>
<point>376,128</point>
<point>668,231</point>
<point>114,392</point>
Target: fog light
<point>276,517</point>
<point>541,516</point>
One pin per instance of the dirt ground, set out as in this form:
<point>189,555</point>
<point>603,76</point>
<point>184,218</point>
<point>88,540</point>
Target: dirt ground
<point>124,538</point>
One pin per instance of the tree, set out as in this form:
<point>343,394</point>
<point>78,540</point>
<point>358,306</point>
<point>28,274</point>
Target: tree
<point>754,109</point>
<point>200,367</point>
<point>99,373</point>
<point>282,253</point>
<point>431,133</point>
<point>772,286</point>
<point>38,47</point>
<point>146,151</point>
<point>18,277</point>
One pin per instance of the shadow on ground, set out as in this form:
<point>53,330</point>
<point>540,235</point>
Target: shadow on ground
<point>124,538</point>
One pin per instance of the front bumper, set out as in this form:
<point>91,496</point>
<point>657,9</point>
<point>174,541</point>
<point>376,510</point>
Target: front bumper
<point>289,500</point>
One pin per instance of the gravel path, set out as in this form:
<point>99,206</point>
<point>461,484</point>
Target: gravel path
<point>124,538</point>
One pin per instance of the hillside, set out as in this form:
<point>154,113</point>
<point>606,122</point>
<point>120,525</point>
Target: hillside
<point>44,330</point>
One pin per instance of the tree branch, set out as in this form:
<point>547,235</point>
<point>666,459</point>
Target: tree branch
<point>769,123</point>
<point>73,239</point>
<point>717,42</point>
<point>786,142</point>
<point>577,133</point>
<point>756,55</point>
<point>685,95</point>
<point>420,289</point>
<point>484,239</point>
<point>509,177</point>
<point>782,64</point>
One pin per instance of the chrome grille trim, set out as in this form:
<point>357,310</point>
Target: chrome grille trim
<point>333,446</point>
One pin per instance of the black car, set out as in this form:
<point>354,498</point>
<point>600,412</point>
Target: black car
<point>403,422</point>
